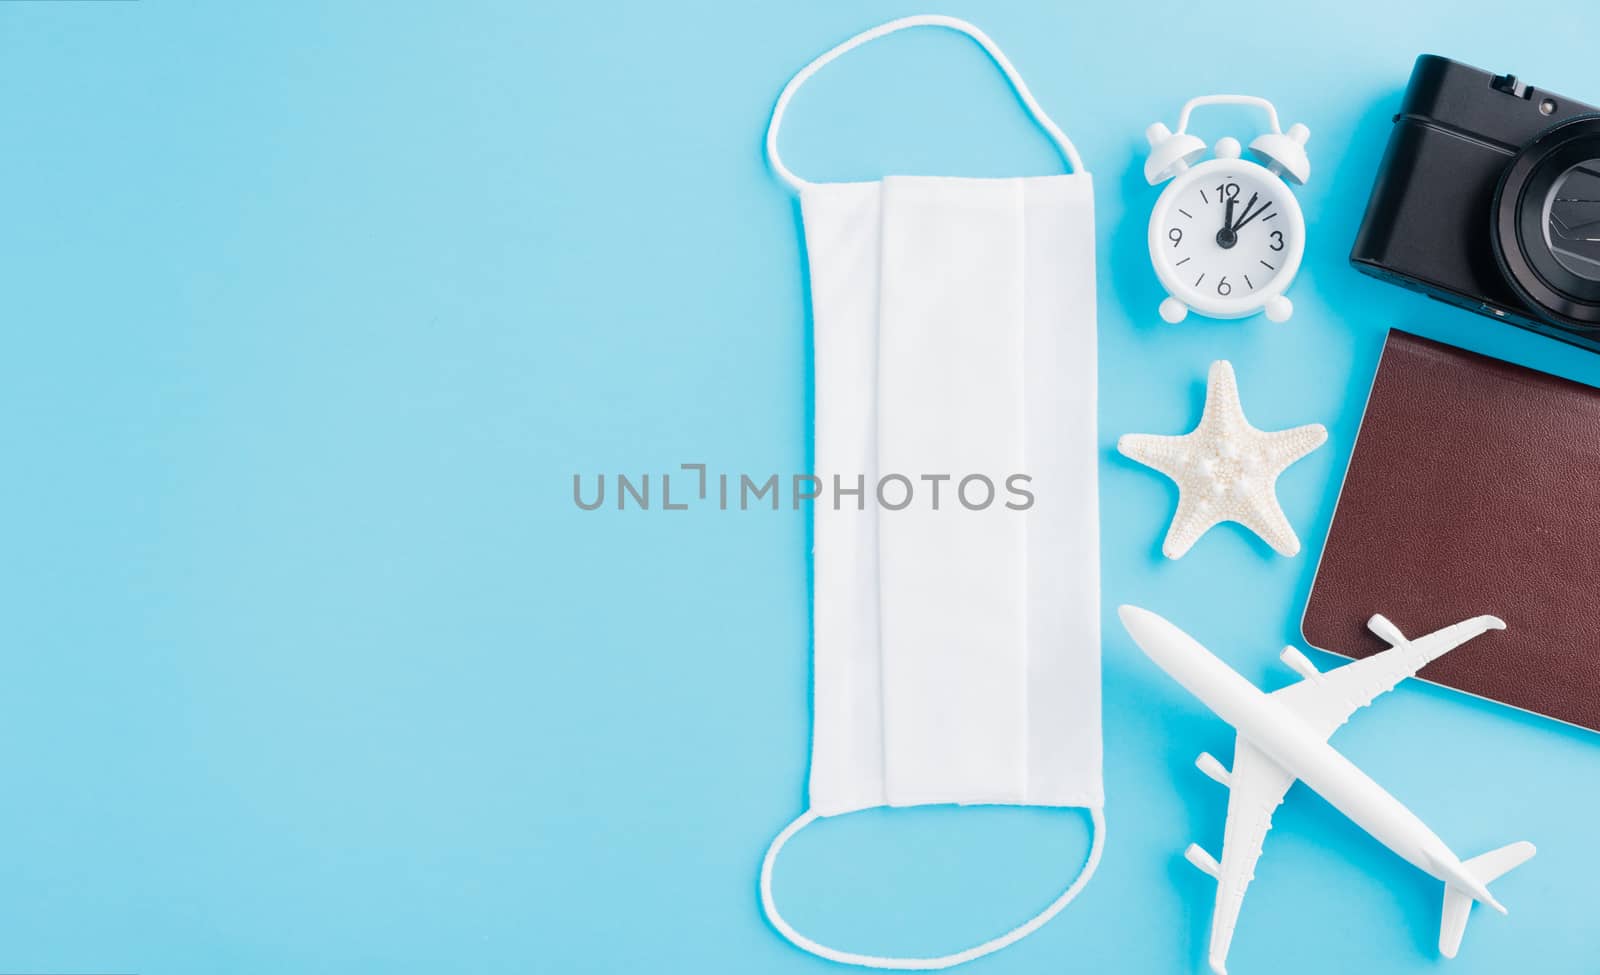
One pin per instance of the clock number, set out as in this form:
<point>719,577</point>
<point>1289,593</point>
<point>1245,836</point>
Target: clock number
<point>1277,240</point>
<point>1223,287</point>
<point>1175,235</point>
<point>1227,191</point>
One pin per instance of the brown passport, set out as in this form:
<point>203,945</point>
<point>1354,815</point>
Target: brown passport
<point>1474,487</point>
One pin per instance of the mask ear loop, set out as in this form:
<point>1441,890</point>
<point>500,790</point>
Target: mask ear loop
<point>1096,846</point>
<point>922,20</point>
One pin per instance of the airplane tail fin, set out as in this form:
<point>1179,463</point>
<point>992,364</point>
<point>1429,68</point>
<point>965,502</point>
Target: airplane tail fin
<point>1458,901</point>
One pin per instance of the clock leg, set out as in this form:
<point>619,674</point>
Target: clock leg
<point>1280,308</point>
<point>1173,311</point>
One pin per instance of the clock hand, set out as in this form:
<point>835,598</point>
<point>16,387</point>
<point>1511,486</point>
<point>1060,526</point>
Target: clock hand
<point>1226,238</point>
<point>1251,216</point>
<point>1235,227</point>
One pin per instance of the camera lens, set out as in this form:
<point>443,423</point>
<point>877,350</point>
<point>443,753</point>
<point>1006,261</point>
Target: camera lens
<point>1572,219</point>
<point>1546,223</point>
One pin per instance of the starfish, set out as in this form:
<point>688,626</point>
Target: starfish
<point>1226,469</point>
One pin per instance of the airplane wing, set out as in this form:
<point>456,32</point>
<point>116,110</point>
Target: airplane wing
<point>1255,789</point>
<point>1325,701</point>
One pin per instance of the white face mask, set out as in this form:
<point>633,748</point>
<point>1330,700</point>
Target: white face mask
<point>957,651</point>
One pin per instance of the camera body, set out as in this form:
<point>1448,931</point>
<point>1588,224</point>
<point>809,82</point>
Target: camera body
<point>1478,170</point>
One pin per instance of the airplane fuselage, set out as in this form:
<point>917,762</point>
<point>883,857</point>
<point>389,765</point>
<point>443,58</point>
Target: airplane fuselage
<point>1271,727</point>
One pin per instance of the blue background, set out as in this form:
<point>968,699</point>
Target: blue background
<point>310,314</point>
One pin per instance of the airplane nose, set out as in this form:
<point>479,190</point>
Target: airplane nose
<point>1133,616</point>
<point>1143,625</point>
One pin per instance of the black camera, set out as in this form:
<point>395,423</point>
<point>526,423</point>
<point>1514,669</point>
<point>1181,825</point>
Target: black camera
<point>1489,198</point>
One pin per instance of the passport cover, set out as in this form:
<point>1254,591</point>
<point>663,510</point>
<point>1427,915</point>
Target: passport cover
<point>1474,487</point>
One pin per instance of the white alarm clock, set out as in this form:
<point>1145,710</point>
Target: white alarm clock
<point>1227,235</point>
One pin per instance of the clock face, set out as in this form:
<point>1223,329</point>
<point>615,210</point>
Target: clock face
<point>1226,236</point>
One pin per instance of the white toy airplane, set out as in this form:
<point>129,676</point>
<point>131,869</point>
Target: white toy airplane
<point>1283,736</point>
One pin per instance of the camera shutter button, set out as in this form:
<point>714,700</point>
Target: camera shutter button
<point>1509,84</point>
